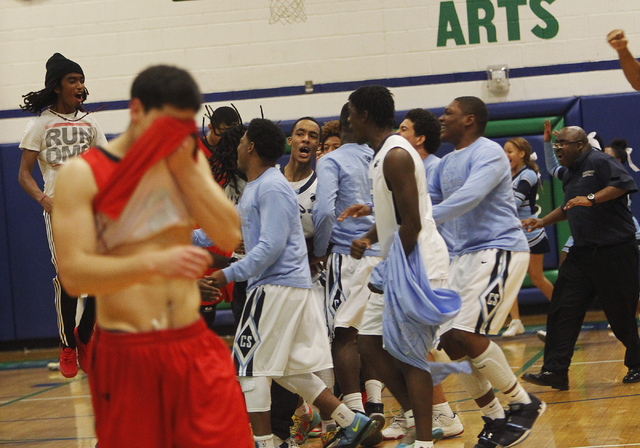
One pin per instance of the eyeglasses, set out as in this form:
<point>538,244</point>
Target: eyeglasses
<point>561,145</point>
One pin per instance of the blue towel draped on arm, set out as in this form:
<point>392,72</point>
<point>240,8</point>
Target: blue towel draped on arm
<point>413,311</point>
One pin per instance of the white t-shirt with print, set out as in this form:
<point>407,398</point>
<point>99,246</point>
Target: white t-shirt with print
<point>57,140</point>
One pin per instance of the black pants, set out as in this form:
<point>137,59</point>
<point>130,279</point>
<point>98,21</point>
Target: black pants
<point>611,274</point>
<point>67,310</point>
<point>208,313</point>
<point>283,402</point>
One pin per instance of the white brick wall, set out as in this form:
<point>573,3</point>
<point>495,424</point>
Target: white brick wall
<point>230,46</point>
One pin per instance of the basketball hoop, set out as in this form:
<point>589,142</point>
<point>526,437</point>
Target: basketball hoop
<point>287,11</point>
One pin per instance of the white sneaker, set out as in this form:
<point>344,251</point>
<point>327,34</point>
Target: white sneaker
<point>515,327</point>
<point>396,429</point>
<point>451,426</point>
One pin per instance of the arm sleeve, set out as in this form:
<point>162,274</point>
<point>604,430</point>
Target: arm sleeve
<point>324,209</point>
<point>553,167</point>
<point>277,218</point>
<point>485,176</point>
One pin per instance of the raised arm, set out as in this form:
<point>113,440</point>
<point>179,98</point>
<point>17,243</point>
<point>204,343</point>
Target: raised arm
<point>630,66</point>
<point>82,269</point>
<point>553,166</point>
<point>206,200</point>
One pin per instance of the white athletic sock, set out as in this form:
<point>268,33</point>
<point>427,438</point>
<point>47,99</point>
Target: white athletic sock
<point>343,415</point>
<point>303,410</point>
<point>264,441</point>
<point>493,410</point>
<point>354,401</point>
<point>374,391</point>
<point>442,408</point>
<point>421,444</point>
<point>493,365</point>
<point>328,425</point>
<point>518,395</point>
<point>410,422</point>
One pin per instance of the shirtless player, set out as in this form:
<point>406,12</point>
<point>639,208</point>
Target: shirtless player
<point>122,221</point>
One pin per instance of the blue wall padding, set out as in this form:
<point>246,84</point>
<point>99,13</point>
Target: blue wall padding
<point>28,256</point>
<point>7,327</point>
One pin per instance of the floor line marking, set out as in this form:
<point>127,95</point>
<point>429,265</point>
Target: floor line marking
<point>24,397</point>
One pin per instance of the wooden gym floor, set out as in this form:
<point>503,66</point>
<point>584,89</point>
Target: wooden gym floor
<point>42,409</point>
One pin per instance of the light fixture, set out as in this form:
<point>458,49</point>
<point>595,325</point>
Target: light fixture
<point>498,79</point>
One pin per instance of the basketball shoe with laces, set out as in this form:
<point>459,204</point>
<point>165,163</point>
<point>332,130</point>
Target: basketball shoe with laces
<point>375,411</point>
<point>396,429</point>
<point>302,426</point>
<point>68,362</point>
<point>491,433</point>
<point>351,436</point>
<point>520,420</point>
<point>451,426</point>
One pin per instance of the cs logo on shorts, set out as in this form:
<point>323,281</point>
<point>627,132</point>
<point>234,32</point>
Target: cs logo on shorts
<point>246,343</point>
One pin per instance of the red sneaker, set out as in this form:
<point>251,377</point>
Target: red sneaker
<point>68,362</point>
<point>84,352</point>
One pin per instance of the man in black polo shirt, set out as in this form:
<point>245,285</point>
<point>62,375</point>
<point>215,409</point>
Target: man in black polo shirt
<point>603,261</point>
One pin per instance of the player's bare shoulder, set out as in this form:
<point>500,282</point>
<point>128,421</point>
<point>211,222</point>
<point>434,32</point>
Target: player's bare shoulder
<point>398,161</point>
<point>75,178</point>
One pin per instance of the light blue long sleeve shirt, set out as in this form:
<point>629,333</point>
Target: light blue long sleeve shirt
<point>430,163</point>
<point>553,166</point>
<point>343,180</point>
<point>273,236</point>
<point>199,238</point>
<point>471,190</point>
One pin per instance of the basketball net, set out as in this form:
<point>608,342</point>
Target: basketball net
<point>287,11</point>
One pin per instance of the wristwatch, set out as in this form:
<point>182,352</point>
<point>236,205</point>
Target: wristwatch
<point>592,198</point>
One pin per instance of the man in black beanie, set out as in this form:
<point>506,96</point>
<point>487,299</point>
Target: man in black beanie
<point>58,66</point>
<point>60,130</point>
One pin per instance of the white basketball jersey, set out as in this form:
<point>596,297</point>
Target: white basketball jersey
<point>432,246</point>
<point>306,191</point>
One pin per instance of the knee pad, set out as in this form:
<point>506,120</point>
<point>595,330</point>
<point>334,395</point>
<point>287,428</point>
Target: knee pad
<point>495,368</point>
<point>328,378</point>
<point>307,385</point>
<point>474,383</point>
<point>257,393</point>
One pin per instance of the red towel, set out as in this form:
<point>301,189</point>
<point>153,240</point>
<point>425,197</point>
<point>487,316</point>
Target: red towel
<point>160,140</point>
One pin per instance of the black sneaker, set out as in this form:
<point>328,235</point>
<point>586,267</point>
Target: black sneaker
<point>520,420</point>
<point>633,376</point>
<point>375,411</point>
<point>373,408</point>
<point>491,433</point>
